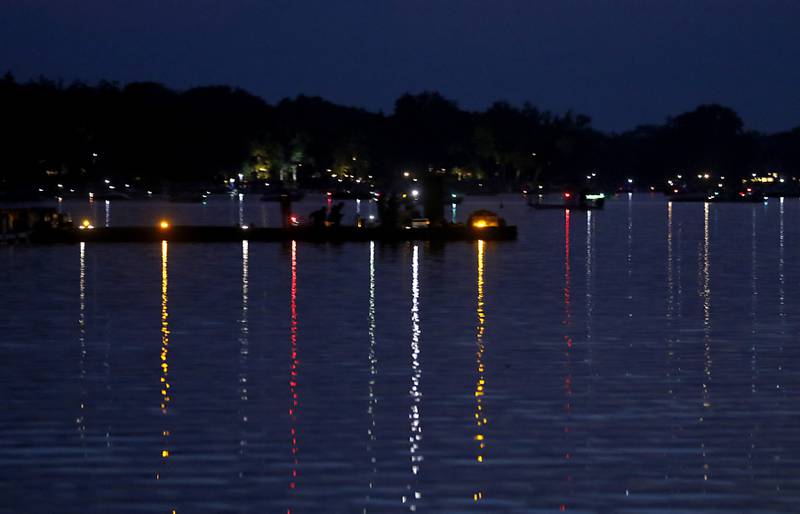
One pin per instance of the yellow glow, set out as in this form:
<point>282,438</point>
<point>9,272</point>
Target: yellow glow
<point>164,224</point>
<point>164,379</point>
<point>86,223</point>
<point>480,385</point>
<point>485,221</point>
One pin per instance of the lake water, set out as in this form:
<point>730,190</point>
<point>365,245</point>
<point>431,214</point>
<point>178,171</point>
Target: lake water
<point>639,359</point>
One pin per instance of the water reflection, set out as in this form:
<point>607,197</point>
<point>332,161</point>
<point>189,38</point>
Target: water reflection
<point>753,304</point>
<point>244,348</point>
<point>416,382</point>
<point>589,269</point>
<point>293,374</point>
<point>107,221</point>
<point>165,386</point>
<point>705,294</point>
<point>480,386</point>
<point>81,419</point>
<point>670,302</point>
<point>373,372</point>
<point>567,322</point>
<point>781,294</point>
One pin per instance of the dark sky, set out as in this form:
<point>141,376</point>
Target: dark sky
<point>623,62</point>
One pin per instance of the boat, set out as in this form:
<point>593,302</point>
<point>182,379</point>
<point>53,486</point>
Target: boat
<point>569,200</point>
<point>745,196</point>
<point>275,196</point>
<point>350,195</point>
<point>111,195</point>
<point>188,198</point>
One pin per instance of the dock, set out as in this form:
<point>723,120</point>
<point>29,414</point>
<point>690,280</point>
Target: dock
<point>220,234</point>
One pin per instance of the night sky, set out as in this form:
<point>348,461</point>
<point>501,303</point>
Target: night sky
<point>623,62</point>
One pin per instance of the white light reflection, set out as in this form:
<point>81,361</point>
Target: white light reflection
<point>81,419</point>
<point>753,333</point>
<point>589,299</point>
<point>107,213</point>
<point>705,295</point>
<point>373,372</point>
<point>241,209</point>
<point>415,415</point>
<point>781,294</point>
<point>244,348</point>
<point>670,302</point>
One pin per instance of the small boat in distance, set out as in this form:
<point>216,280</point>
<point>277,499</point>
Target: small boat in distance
<point>294,195</point>
<point>347,194</point>
<point>569,200</point>
<point>747,195</point>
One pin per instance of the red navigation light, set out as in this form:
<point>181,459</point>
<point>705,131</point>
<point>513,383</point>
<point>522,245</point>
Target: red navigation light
<point>294,220</point>
<point>567,195</point>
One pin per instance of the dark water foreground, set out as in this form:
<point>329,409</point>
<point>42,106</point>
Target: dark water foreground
<point>642,359</point>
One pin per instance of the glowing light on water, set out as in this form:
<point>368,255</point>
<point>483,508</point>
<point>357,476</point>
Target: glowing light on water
<point>373,372</point>
<point>480,386</point>
<point>244,346</point>
<point>568,343</point>
<point>294,370</point>
<point>81,419</point>
<point>415,415</point>
<point>165,384</point>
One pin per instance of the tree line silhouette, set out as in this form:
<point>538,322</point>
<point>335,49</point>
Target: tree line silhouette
<point>144,131</point>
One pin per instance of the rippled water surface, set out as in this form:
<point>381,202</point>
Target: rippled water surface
<point>640,359</point>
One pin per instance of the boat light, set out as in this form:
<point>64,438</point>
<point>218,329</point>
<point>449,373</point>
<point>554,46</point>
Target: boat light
<point>164,224</point>
<point>596,196</point>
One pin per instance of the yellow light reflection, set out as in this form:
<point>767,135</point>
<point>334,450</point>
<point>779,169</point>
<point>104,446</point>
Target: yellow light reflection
<point>480,386</point>
<point>165,387</point>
